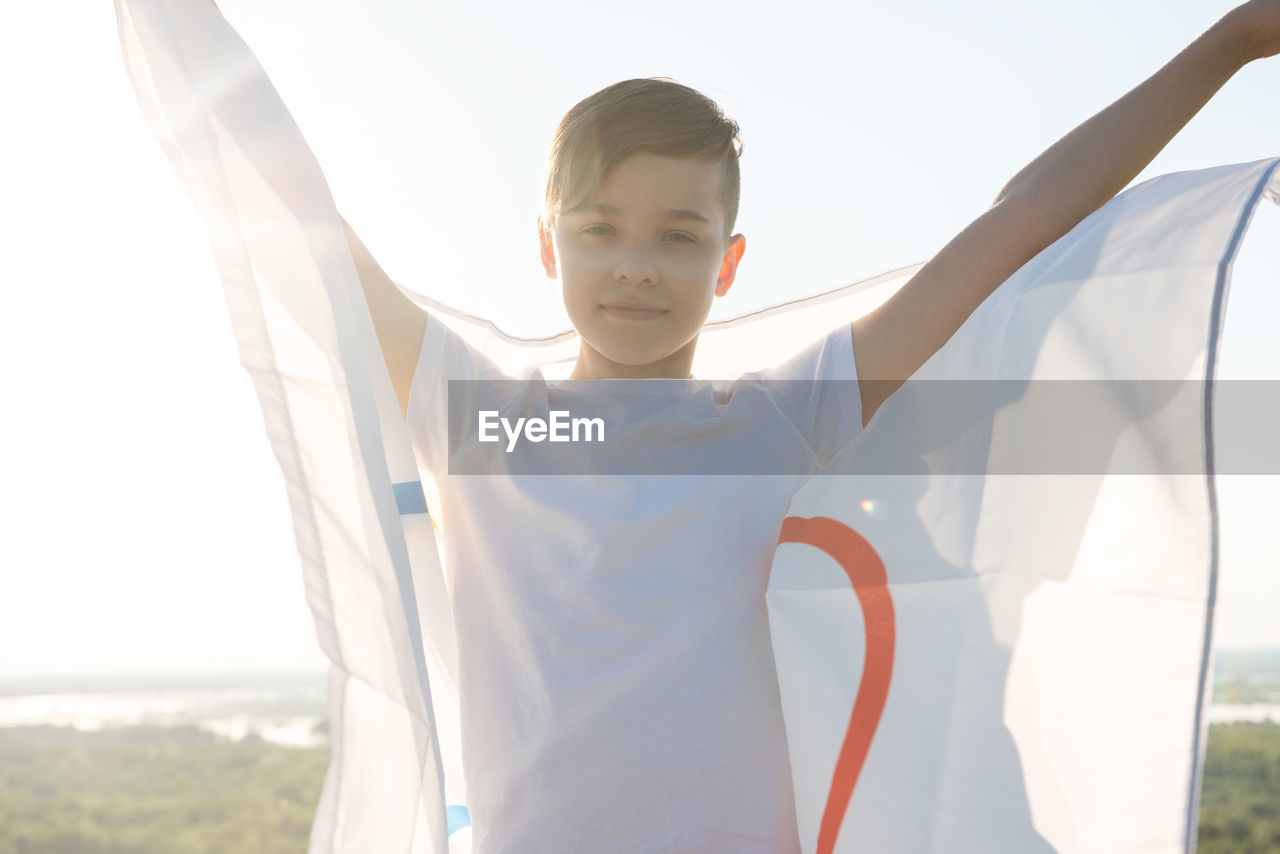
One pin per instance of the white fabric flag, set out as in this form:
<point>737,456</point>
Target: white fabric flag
<point>976,657</point>
<point>306,337</point>
<point>969,661</point>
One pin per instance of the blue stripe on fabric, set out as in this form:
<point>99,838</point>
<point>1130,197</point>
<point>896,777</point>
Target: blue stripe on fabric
<point>1215,330</point>
<point>410,498</point>
<point>457,817</point>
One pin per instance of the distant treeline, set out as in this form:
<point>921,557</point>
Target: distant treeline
<point>1240,798</point>
<point>151,790</point>
<point>140,790</point>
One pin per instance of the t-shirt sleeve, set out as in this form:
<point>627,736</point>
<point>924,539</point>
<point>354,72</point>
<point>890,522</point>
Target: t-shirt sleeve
<point>817,389</point>
<point>444,356</point>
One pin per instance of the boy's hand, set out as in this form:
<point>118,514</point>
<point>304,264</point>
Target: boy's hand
<point>1259,22</point>
<point>1074,177</point>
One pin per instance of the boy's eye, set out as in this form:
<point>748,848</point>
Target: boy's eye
<point>673,236</point>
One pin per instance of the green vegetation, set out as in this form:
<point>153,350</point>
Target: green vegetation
<point>152,790</point>
<point>1240,797</point>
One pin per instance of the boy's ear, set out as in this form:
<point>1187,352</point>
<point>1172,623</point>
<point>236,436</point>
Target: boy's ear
<point>547,248</point>
<point>729,264</point>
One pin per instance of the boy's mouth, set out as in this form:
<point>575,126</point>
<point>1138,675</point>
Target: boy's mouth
<point>627,310</point>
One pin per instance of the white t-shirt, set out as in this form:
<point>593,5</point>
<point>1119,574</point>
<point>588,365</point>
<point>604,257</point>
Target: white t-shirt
<point>618,690</point>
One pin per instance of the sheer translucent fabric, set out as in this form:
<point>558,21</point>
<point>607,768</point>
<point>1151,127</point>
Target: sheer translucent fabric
<point>970,661</point>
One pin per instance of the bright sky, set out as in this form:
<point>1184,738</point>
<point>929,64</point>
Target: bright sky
<point>148,527</point>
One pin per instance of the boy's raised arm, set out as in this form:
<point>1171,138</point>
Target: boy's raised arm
<point>1047,198</point>
<point>398,320</point>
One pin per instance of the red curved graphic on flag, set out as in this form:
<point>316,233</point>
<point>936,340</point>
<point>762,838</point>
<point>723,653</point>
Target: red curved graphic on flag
<point>867,575</point>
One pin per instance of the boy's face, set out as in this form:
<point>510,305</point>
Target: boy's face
<point>651,235</point>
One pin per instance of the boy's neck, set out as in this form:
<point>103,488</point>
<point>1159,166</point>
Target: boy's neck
<point>591,365</point>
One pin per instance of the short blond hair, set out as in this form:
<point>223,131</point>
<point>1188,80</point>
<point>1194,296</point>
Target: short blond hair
<point>653,114</point>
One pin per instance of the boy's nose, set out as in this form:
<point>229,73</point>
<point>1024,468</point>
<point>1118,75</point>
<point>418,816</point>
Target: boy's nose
<point>636,270</point>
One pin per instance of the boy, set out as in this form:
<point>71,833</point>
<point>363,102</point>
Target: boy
<point>617,678</point>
